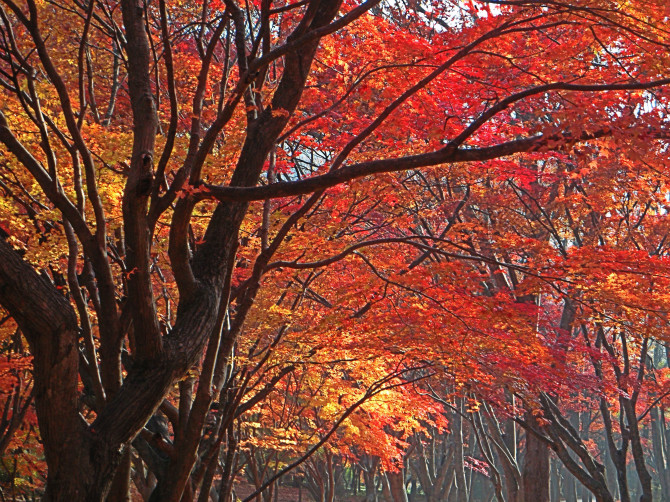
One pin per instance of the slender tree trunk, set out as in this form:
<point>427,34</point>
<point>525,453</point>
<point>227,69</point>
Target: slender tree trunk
<point>459,454</point>
<point>510,465</point>
<point>555,481</point>
<point>643,476</point>
<point>330,477</point>
<point>610,474</point>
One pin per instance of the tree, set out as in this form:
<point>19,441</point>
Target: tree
<point>157,159</point>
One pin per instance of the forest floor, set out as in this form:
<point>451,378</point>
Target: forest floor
<point>285,494</point>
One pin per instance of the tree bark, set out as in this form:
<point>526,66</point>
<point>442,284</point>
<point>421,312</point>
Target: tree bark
<point>459,455</point>
<point>394,486</point>
<point>49,324</point>
<point>535,466</point>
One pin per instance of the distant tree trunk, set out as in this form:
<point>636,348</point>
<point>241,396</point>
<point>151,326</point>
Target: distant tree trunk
<point>459,455</point>
<point>432,464</point>
<point>510,464</point>
<point>571,484</point>
<point>659,438</point>
<point>610,474</point>
<point>330,473</point>
<point>569,487</point>
<point>414,491</point>
<point>659,449</point>
<point>555,482</point>
<point>369,467</point>
<point>504,447</point>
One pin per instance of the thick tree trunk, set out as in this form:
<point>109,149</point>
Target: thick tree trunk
<point>83,466</point>
<point>535,467</point>
<point>394,486</point>
<point>120,488</point>
<point>79,467</point>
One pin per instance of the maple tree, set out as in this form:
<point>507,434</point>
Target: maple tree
<point>215,212</point>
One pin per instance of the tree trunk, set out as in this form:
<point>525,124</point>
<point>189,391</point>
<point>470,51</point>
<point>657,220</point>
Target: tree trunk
<point>459,455</point>
<point>659,451</point>
<point>555,482</point>
<point>120,488</point>
<point>535,467</point>
<point>369,474</point>
<point>394,487</point>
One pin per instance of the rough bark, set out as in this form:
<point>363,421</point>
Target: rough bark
<point>50,327</point>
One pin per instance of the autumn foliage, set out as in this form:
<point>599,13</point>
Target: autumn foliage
<point>356,248</point>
